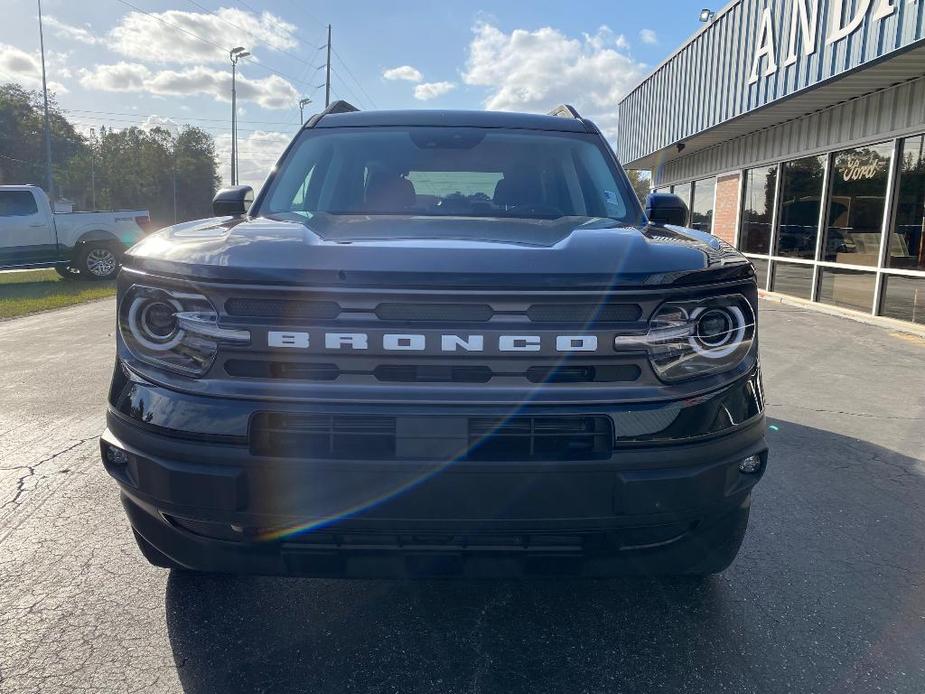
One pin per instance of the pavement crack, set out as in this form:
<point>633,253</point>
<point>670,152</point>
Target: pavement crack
<point>31,471</point>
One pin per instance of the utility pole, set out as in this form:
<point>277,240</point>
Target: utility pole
<point>175,148</point>
<point>235,54</point>
<point>327,79</point>
<point>50,183</point>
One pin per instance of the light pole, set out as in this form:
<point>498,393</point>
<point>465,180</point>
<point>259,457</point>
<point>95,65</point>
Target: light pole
<point>235,54</point>
<point>302,104</point>
<point>93,167</point>
<point>49,177</point>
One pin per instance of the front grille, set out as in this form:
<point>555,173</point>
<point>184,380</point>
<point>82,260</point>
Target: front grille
<point>282,308</point>
<point>578,314</point>
<point>540,438</point>
<point>583,313</point>
<point>456,313</point>
<point>493,336</point>
<point>432,373</point>
<point>361,437</point>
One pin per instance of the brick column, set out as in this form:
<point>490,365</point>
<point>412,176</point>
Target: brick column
<point>727,207</point>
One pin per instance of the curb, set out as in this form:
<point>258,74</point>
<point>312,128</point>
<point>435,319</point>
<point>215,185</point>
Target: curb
<point>857,316</point>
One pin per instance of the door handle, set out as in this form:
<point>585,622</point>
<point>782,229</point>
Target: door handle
<point>39,224</point>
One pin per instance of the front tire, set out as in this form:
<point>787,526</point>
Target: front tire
<point>97,261</point>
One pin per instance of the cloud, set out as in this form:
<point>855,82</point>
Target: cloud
<point>120,77</point>
<point>257,154</point>
<point>431,90</point>
<point>74,33</point>
<point>272,92</point>
<point>536,70</point>
<point>170,37</point>
<point>648,36</point>
<point>403,72</point>
<point>26,68</point>
<point>154,121</point>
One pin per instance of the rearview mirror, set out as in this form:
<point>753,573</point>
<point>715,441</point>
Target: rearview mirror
<point>665,208</point>
<point>232,202</point>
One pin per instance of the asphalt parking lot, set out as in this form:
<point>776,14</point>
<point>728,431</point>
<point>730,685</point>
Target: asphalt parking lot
<point>827,595</point>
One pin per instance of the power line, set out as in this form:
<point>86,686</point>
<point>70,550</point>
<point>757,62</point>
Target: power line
<point>350,72</point>
<point>346,87</point>
<point>7,156</point>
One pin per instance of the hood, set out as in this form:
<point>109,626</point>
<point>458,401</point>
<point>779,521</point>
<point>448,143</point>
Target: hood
<point>408,251</point>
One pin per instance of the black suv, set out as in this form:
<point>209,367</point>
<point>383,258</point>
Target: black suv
<point>438,343</point>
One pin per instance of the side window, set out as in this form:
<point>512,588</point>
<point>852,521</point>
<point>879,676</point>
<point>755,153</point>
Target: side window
<point>17,203</point>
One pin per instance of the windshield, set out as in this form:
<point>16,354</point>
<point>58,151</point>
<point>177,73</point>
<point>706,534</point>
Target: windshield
<point>467,172</point>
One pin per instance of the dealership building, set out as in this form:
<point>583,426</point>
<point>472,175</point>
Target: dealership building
<point>795,129</point>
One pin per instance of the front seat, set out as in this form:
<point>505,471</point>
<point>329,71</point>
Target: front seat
<point>387,191</point>
<point>519,188</point>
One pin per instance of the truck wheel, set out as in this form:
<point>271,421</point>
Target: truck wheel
<point>98,262</point>
<point>154,556</point>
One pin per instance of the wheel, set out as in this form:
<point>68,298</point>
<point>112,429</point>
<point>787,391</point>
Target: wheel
<point>67,272</point>
<point>154,556</point>
<point>724,539</point>
<point>98,262</point>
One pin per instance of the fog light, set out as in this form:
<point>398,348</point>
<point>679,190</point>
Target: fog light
<point>116,456</point>
<point>750,465</point>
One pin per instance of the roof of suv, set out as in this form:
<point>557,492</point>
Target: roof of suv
<point>459,119</point>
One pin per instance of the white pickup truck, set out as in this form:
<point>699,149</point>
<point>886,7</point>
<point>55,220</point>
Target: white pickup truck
<point>86,245</point>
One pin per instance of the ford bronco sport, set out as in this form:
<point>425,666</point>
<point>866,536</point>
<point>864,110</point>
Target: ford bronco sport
<point>438,343</point>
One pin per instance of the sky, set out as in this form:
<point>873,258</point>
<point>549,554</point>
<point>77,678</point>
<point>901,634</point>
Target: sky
<point>118,63</point>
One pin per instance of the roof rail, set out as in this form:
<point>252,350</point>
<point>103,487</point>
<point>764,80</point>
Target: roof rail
<point>339,106</point>
<point>564,111</point>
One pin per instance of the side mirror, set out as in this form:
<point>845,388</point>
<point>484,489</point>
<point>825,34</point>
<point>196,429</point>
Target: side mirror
<point>232,202</point>
<point>665,208</point>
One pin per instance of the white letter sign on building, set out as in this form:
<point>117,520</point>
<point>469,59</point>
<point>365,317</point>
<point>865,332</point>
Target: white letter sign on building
<point>807,24</point>
<point>804,20</point>
<point>765,48</point>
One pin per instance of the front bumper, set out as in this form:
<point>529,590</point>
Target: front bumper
<point>215,505</point>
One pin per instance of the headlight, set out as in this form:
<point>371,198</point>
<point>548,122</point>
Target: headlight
<point>689,339</point>
<point>172,329</point>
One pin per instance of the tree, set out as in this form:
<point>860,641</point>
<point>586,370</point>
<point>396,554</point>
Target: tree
<point>641,182</point>
<point>134,168</point>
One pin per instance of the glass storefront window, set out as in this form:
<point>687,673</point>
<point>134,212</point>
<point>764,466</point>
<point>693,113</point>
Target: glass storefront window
<point>856,205</point>
<point>907,243</point>
<point>848,288</point>
<point>704,192</point>
<point>904,298</point>
<point>793,279</point>
<point>757,208</point>
<point>761,270</point>
<point>801,191</point>
<point>683,191</point>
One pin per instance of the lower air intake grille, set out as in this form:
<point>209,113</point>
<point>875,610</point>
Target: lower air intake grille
<point>361,437</point>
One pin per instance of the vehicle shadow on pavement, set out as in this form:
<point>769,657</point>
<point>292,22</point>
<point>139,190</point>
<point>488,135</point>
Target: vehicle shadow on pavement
<point>826,595</point>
